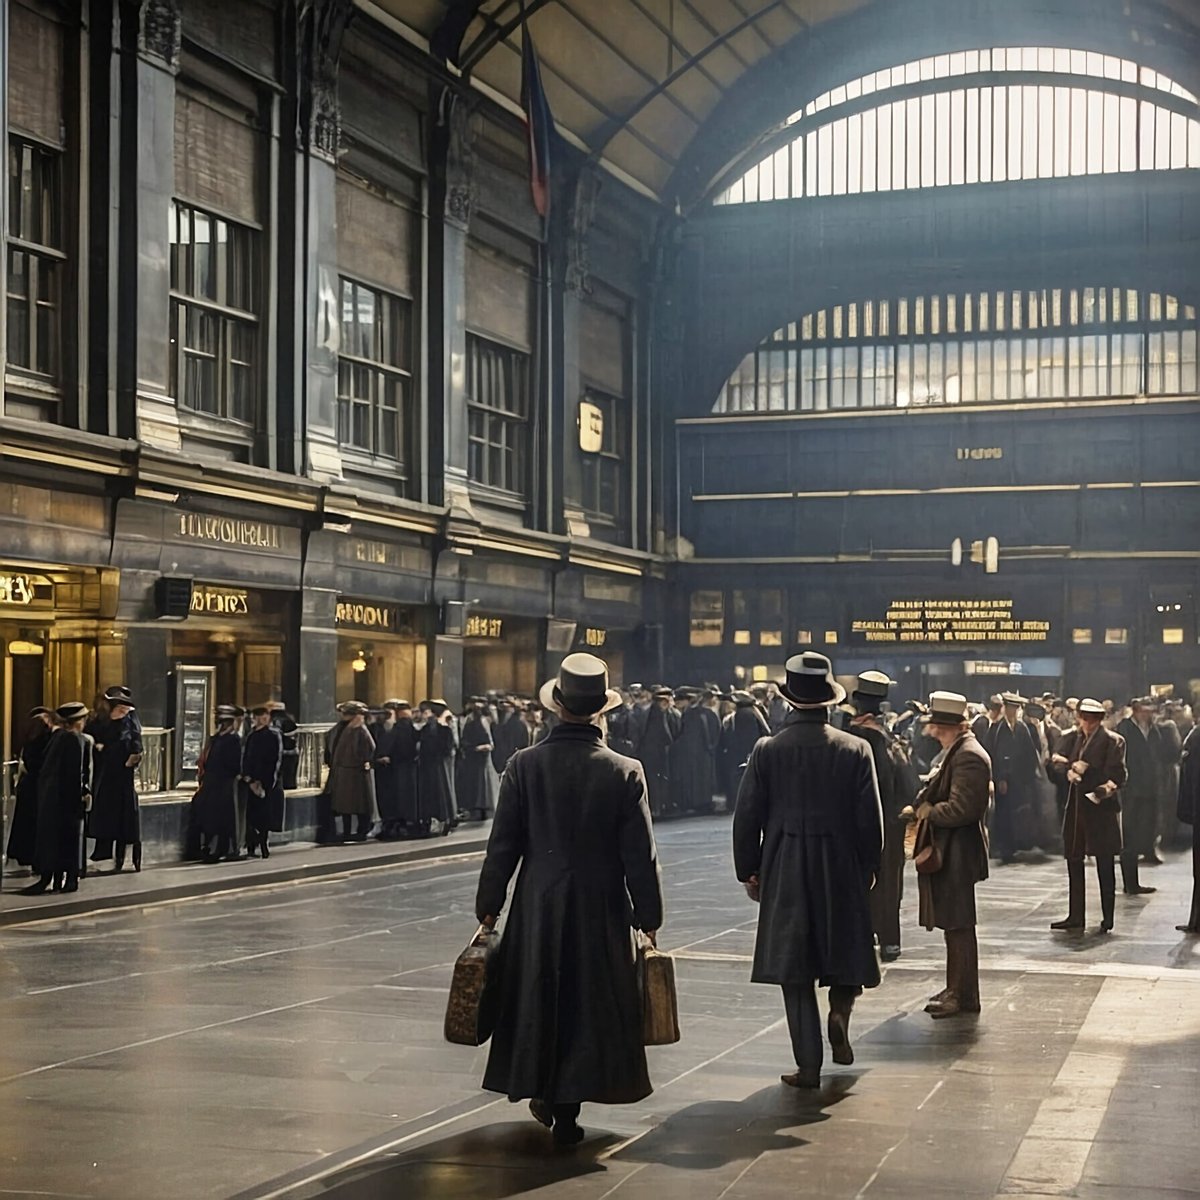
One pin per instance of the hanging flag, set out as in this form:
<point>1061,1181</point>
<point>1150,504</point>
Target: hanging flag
<point>538,123</point>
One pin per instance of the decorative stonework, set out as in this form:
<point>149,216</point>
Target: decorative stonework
<point>459,116</point>
<point>160,31</point>
<point>582,213</point>
<point>320,29</point>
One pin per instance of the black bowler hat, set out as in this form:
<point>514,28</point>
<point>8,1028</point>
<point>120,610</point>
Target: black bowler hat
<point>229,712</point>
<point>809,681</point>
<point>1035,709</point>
<point>118,694</point>
<point>581,687</point>
<point>39,711</point>
<point>74,710</point>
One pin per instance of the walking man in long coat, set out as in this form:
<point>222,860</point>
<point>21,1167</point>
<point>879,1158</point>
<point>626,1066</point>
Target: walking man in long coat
<point>953,805</point>
<point>573,816</point>
<point>1092,760</point>
<point>807,839</point>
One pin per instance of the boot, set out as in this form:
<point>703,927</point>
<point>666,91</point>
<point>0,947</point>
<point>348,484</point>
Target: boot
<point>837,1027</point>
<point>71,882</point>
<point>1076,910</point>
<point>137,856</point>
<point>1129,875</point>
<point>119,858</point>
<point>1105,870</point>
<point>262,845</point>
<point>36,889</point>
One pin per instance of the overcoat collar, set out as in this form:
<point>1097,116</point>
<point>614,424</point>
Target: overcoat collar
<point>808,716</point>
<point>568,731</point>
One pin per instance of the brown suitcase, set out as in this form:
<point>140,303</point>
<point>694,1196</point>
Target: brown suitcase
<point>470,1008</point>
<point>660,1005</point>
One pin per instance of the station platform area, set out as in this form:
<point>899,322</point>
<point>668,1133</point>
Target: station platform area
<point>285,1041</point>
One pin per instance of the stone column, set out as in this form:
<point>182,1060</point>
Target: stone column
<point>311,673</point>
<point>147,184</point>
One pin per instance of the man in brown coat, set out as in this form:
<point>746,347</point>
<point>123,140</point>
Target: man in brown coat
<point>1092,761</point>
<point>954,805</point>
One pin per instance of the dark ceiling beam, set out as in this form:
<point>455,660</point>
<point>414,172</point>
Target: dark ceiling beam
<point>713,32</point>
<point>740,9</point>
<point>497,32</point>
<point>446,42</point>
<point>677,46</point>
<point>611,130</point>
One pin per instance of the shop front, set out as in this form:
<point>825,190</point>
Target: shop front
<point>502,652</point>
<point>382,653</point>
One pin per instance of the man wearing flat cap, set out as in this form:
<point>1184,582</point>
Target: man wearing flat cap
<point>572,817</point>
<point>870,692</point>
<point>952,812</point>
<point>1091,760</point>
<point>807,839</point>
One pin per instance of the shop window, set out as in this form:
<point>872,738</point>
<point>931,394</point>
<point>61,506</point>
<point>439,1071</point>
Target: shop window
<point>604,446</point>
<point>707,623</point>
<point>497,414</point>
<point>214,321</point>
<point>375,372</point>
<point>35,256</point>
<point>1172,636</point>
<point>831,637</point>
<point>1116,637</point>
<point>1081,637</point>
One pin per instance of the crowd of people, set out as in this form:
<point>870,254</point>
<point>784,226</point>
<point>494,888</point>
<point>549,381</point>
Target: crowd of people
<point>835,793</point>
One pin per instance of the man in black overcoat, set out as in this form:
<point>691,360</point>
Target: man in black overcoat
<point>286,724</point>
<point>115,820</point>
<point>64,789</point>
<point>741,732</point>
<point>692,755</point>
<point>807,840</point>
<point>654,749</point>
<point>1139,800</point>
<point>1189,814</point>
<point>262,766</point>
<point>870,692</point>
<point>435,798</point>
<point>1092,761</point>
<point>573,817</point>
<point>511,734</point>
<point>217,796</point>
<point>395,769</point>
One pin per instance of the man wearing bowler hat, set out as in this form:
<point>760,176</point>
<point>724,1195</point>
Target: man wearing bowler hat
<point>953,806</point>
<point>870,692</point>
<point>807,839</point>
<point>573,816</point>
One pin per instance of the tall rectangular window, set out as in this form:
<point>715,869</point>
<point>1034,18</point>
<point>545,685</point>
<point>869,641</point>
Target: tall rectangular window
<point>605,447</point>
<point>215,285</point>
<point>498,407</point>
<point>375,373</point>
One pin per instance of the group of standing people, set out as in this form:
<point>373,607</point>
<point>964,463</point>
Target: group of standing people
<point>76,780</point>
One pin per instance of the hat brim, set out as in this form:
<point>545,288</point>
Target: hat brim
<point>944,718</point>
<point>833,693</point>
<point>547,699</point>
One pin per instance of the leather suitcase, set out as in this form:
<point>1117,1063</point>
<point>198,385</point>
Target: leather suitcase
<point>470,1008</point>
<point>660,1005</point>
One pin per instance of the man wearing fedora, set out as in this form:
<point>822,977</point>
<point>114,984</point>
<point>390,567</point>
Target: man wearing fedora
<point>807,839</point>
<point>216,798</point>
<point>740,733</point>
<point>64,791</point>
<point>661,728</point>
<point>115,820</point>
<point>1014,772</point>
<point>573,817</point>
<point>953,806</point>
<point>870,692</point>
<point>1091,759</point>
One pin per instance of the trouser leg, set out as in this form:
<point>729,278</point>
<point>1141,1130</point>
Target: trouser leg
<point>567,1114</point>
<point>804,1023</point>
<point>1129,871</point>
<point>962,966</point>
<point>1106,873</point>
<point>347,826</point>
<point>841,999</point>
<point>119,857</point>
<point>889,888</point>
<point>1077,890</point>
<point>364,824</point>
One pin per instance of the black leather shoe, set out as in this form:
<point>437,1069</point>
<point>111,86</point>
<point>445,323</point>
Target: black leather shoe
<point>838,1029</point>
<point>1067,924</point>
<point>889,953</point>
<point>950,1007</point>
<point>542,1113</point>
<point>1140,890</point>
<point>940,998</point>
<point>567,1133</point>
<point>802,1079</point>
<point>1104,928</point>
<point>36,889</point>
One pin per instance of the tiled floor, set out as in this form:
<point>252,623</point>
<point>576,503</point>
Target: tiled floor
<point>287,1041</point>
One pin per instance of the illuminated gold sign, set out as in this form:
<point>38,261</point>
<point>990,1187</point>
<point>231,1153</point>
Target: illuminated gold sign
<point>366,616</point>
<point>16,589</point>
<point>218,601</point>
<point>591,427</point>
<point>951,621</point>
<point>979,453</point>
<point>228,531</point>
<point>484,627</point>
<point>595,637</point>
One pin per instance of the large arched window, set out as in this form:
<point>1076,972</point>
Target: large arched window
<point>990,347</point>
<point>979,116</point>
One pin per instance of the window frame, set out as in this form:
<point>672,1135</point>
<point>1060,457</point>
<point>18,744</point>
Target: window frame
<point>616,458</point>
<point>516,365</point>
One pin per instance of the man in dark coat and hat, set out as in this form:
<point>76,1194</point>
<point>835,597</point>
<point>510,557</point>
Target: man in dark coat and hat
<point>1092,761</point>
<point>64,791</point>
<point>1139,800</point>
<point>807,839</point>
<point>510,735</point>
<point>870,692</point>
<point>477,781</point>
<point>395,768</point>
<point>217,795</point>
<point>953,806</point>
<point>22,836</point>
<point>1014,759</point>
<point>740,733</point>
<point>262,766</point>
<point>654,749</point>
<point>692,754</point>
<point>115,820</point>
<point>437,749</point>
<point>1189,813</point>
<point>573,816</point>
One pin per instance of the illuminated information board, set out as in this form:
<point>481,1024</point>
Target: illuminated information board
<point>950,621</point>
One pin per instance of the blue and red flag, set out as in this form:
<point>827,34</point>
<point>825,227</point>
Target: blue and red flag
<point>538,123</point>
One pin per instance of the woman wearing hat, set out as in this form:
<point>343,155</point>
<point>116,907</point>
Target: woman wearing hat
<point>115,819</point>
<point>64,789</point>
<point>478,783</point>
<point>807,839</point>
<point>218,774</point>
<point>22,837</point>
<point>351,773</point>
<point>573,817</point>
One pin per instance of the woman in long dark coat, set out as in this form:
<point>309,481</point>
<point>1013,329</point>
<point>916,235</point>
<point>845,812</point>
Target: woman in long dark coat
<point>437,750</point>
<point>262,764</point>
<point>116,818</point>
<point>22,837</point>
<point>573,816</point>
<point>352,776</point>
<point>395,767</point>
<point>217,797</point>
<point>477,781</point>
<point>64,787</point>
